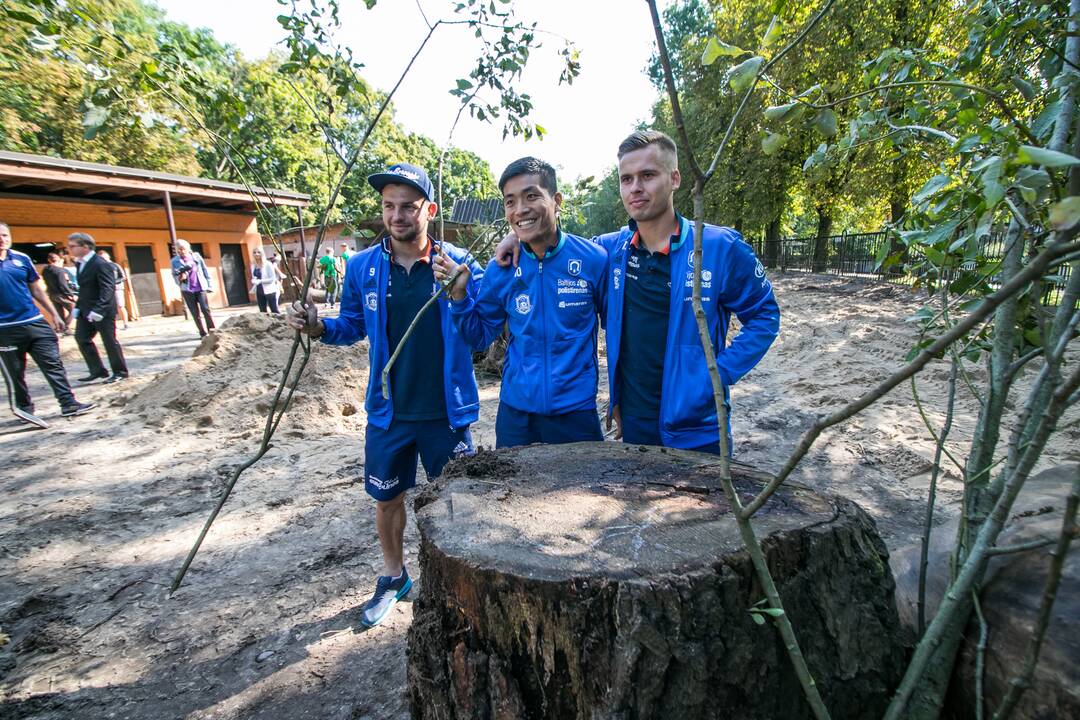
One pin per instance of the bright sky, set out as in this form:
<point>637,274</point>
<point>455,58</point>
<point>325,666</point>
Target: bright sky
<point>585,121</point>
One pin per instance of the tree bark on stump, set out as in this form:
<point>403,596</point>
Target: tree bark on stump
<point>608,581</point>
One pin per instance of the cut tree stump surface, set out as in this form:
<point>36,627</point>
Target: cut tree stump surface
<point>603,580</point>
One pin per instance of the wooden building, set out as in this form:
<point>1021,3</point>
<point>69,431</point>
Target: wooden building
<point>137,215</point>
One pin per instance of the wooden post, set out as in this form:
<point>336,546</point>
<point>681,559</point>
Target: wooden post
<point>172,239</point>
<point>300,224</point>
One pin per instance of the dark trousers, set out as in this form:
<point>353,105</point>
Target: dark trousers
<point>38,339</point>
<point>196,302</point>
<point>85,330</point>
<point>266,299</point>
<point>64,305</point>
<point>646,431</point>
<point>515,427</point>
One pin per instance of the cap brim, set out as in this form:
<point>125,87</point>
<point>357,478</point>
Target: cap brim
<point>381,180</point>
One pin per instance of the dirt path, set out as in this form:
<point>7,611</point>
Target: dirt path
<point>97,513</point>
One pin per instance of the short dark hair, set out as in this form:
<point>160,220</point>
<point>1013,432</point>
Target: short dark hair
<point>531,166</point>
<point>53,257</point>
<point>82,239</point>
<point>644,138</point>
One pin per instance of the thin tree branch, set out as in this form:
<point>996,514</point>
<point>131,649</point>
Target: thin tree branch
<point>1021,547</point>
<point>980,658</point>
<point>1037,266</point>
<point>1022,682</point>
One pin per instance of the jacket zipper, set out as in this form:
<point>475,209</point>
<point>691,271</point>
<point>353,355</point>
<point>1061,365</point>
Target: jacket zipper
<point>543,329</point>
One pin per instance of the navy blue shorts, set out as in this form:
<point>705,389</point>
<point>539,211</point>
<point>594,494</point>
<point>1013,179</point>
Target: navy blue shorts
<point>646,431</point>
<point>517,427</point>
<point>390,455</point>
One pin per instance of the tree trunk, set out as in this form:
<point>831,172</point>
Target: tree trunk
<point>608,581</point>
<point>772,243</point>
<point>821,245</point>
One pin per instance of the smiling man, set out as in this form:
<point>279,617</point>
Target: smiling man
<point>661,393</point>
<point>551,303</point>
<point>433,394</point>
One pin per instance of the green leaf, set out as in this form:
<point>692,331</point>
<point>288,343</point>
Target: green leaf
<point>742,76</point>
<point>758,618</point>
<point>1026,89</point>
<point>772,142</point>
<point>777,113</point>
<point>1031,155</point>
<point>773,33</point>
<point>23,16</point>
<point>95,117</point>
<point>1065,214</point>
<point>774,612</point>
<point>463,84</point>
<point>993,190</point>
<point>930,188</point>
<point>825,122</point>
<point>717,48</point>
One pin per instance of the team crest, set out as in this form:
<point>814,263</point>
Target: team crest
<point>372,301</point>
<point>759,269</point>
<point>574,267</point>
<point>523,304</point>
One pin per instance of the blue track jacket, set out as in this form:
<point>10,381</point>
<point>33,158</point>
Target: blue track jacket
<point>363,314</point>
<point>733,281</point>
<point>552,307</point>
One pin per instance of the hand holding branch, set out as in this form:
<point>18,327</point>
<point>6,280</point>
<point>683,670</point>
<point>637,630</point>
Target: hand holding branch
<point>454,276</point>
<point>304,318</point>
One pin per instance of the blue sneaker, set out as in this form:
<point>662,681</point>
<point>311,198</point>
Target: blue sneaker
<point>388,591</point>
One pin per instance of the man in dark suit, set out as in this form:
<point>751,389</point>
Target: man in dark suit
<point>96,310</point>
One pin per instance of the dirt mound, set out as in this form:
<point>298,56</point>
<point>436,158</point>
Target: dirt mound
<point>231,379</point>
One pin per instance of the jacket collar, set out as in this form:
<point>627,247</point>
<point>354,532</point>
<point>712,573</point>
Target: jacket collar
<point>388,248</point>
<point>551,251</point>
<point>674,242</point>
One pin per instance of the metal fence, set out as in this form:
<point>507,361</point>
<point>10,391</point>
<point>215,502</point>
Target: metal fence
<point>855,255</point>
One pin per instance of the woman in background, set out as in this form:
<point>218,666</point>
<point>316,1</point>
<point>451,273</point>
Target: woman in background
<point>264,279</point>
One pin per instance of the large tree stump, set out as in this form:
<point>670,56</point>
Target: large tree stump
<point>601,580</point>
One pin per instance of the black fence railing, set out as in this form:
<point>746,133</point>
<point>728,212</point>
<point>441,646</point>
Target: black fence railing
<point>855,255</point>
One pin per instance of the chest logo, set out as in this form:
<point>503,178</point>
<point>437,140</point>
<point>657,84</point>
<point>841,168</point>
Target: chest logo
<point>574,267</point>
<point>759,269</point>
<point>706,275</point>
<point>523,304</point>
<point>690,258</point>
<point>16,262</point>
<point>616,277</point>
<point>372,301</point>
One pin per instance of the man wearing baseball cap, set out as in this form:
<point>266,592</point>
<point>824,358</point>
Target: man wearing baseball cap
<point>433,394</point>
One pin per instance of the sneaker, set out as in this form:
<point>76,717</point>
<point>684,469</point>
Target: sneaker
<point>91,378</point>
<point>77,409</point>
<point>388,591</point>
<point>115,379</point>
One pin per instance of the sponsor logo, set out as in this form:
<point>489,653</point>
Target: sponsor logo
<point>382,484</point>
<point>523,304</point>
<point>572,303</point>
<point>574,267</point>
<point>405,173</point>
<point>706,275</point>
<point>616,277</point>
<point>372,301</point>
<point>434,288</point>
<point>690,258</point>
<point>759,269</point>
<point>457,395</point>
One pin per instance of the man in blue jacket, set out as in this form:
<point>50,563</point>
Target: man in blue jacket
<point>660,388</point>
<point>433,394</point>
<point>551,303</point>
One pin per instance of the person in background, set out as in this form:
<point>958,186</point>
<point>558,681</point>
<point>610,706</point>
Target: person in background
<point>190,273</point>
<point>328,266</point>
<point>95,310</point>
<point>72,271</point>
<point>264,278</point>
<point>121,287</point>
<point>61,293</point>
<point>343,261</point>
<point>23,329</point>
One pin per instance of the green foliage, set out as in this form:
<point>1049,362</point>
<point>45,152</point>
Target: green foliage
<point>112,81</point>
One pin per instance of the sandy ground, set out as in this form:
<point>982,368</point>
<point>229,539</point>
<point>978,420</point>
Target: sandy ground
<point>97,513</point>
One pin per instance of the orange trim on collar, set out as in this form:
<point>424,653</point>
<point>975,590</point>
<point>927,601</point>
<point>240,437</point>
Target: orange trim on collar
<point>635,243</point>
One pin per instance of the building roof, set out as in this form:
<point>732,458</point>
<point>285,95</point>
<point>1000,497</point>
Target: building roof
<point>469,211</point>
<point>51,176</point>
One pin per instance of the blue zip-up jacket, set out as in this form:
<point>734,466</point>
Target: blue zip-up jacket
<point>733,281</point>
<point>553,307</point>
<point>363,314</point>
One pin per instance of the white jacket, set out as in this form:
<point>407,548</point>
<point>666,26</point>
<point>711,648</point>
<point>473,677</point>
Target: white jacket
<point>269,279</point>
